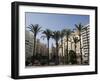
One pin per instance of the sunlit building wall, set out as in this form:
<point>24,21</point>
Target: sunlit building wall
<point>85,42</point>
<point>28,44</point>
<point>71,45</point>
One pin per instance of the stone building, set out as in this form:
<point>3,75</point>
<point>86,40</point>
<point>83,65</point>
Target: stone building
<point>71,45</point>
<point>28,44</point>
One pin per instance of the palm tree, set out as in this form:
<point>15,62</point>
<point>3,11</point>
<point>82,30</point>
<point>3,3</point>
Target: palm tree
<point>34,29</point>
<point>75,40</point>
<point>79,28</point>
<point>62,34</point>
<point>48,34</point>
<point>73,57</point>
<point>71,39</point>
<point>67,33</point>
<point>56,37</point>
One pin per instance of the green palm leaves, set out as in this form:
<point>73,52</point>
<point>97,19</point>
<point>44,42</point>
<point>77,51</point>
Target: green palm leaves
<point>35,29</point>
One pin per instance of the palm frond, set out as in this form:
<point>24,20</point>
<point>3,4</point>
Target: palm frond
<point>56,35</point>
<point>47,33</point>
<point>75,39</point>
<point>34,28</point>
<point>79,27</point>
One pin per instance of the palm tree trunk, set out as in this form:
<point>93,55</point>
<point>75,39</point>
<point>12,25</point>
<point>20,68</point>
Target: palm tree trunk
<point>34,50</point>
<point>81,50</point>
<point>57,57</point>
<point>75,53</point>
<point>62,49</point>
<point>64,54</point>
<point>48,51</point>
<point>67,49</point>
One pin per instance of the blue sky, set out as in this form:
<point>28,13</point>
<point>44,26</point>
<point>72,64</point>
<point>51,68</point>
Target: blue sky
<point>54,21</point>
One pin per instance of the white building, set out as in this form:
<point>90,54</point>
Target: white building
<point>71,45</point>
<point>28,44</point>
<point>85,42</point>
<point>41,48</point>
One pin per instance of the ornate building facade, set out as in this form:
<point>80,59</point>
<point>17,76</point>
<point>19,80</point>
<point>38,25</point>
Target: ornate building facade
<point>71,45</point>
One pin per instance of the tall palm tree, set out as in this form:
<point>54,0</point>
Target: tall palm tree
<point>79,28</point>
<point>48,34</point>
<point>67,33</point>
<point>35,29</point>
<point>56,37</point>
<point>64,51</point>
<point>75,40</point>
<point>71,39</point>
<point>62,34</point>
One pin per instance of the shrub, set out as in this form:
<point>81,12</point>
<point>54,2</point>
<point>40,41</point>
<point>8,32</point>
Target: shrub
<point>72,56</point>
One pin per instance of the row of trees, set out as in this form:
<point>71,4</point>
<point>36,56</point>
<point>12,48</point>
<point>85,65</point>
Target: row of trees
<point>57,35</point>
